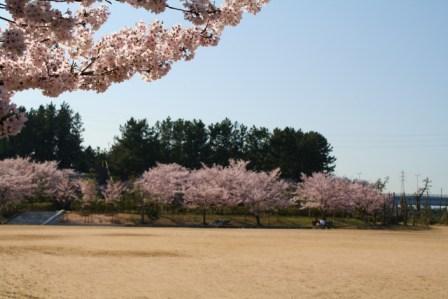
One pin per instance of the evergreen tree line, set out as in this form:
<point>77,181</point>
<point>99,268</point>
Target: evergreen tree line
<point>54,133</point>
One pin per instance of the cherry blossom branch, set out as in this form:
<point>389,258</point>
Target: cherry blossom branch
<point>49,51</point>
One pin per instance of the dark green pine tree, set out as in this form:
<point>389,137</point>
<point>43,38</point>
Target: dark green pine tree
<point>257,148</point>
<point>49,134</point>
<point>135,150</point>
<point>68,133</point>
<point>195,148</point>
<point>226,141</point>
<point>296,152</point>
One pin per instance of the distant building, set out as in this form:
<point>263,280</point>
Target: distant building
<point>433,200</point>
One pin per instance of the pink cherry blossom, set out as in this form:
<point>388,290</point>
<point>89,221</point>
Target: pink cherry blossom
<point>235,185</point>
<point>205,189</point>
<point>113,192</point>
<point>160,183</point>
<point>260,191</point>
<point>17,182</point>
<point>21,179</point>
<point>89,192</point>
<point>329,193</point>
<point>43,47</point>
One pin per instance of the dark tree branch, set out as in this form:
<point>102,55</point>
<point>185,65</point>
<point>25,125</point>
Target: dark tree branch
<point>92,61</point>
<point>7,20</point>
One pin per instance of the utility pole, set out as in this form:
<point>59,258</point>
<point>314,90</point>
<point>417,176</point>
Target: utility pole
<point>403,202</point>
<point>402,183</point>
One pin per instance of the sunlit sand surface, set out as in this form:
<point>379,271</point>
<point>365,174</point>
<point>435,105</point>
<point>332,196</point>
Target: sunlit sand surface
<point>116,262</point>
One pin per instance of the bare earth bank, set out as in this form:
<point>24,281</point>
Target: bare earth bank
<point>112,262</point>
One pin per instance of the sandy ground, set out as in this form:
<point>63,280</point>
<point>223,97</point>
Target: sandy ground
<point>111,262</point>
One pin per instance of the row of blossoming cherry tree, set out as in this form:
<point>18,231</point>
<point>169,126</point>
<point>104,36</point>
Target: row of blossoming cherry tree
<point>202,189</point>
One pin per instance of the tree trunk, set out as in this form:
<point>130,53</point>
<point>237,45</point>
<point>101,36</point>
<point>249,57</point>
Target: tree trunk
<point>142,215</point>
<point>405,212</point>
<point>204,214</point>
<point>257,217</point>
<point>414,216</point>
<point>366,217</point>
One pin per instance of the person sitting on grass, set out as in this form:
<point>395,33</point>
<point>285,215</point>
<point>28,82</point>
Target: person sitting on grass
<point>323,223</point>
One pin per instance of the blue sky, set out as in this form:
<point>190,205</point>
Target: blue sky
<point>372,76</point>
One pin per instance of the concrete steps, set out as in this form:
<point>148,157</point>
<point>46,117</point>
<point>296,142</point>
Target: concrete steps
<point>38,218</point>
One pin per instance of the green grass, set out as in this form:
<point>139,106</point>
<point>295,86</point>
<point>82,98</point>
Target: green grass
<point>235,220</point>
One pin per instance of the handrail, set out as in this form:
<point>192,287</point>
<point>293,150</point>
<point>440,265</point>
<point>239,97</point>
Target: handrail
<point>49,220</point>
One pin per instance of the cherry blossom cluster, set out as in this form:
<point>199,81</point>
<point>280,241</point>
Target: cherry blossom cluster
<point>217,187</point>
<point>66,188</point>
<point>329,193</point>
<point>21,179</point>
<point>210,187</point>
<point>113,191</point>
<point>160,183</point>
<point>89,192</point>
<point>155,6</point>
<point>17,182</point>
<point>45,48</point>
<point>205,189</point>
<point>11,120</point>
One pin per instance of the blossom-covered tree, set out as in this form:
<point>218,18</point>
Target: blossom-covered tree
<point>66,188</point>
<point>205,189</point>
<point>89,192</point>
<point>60,185</point>
<point>318,191</point>
<point>47,176</point>
<point>235,185</point>
<point>259,192</point>
<point>160,183</point>
<point>329,193</point>
<point>264,192</point>
<point>44,46</point>
<point>113,192</point>
<point>21,179</point>
<point>365,198</point>
<point>17,182</point>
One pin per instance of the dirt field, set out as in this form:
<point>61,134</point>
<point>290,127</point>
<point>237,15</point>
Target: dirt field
<point>104,262</point>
